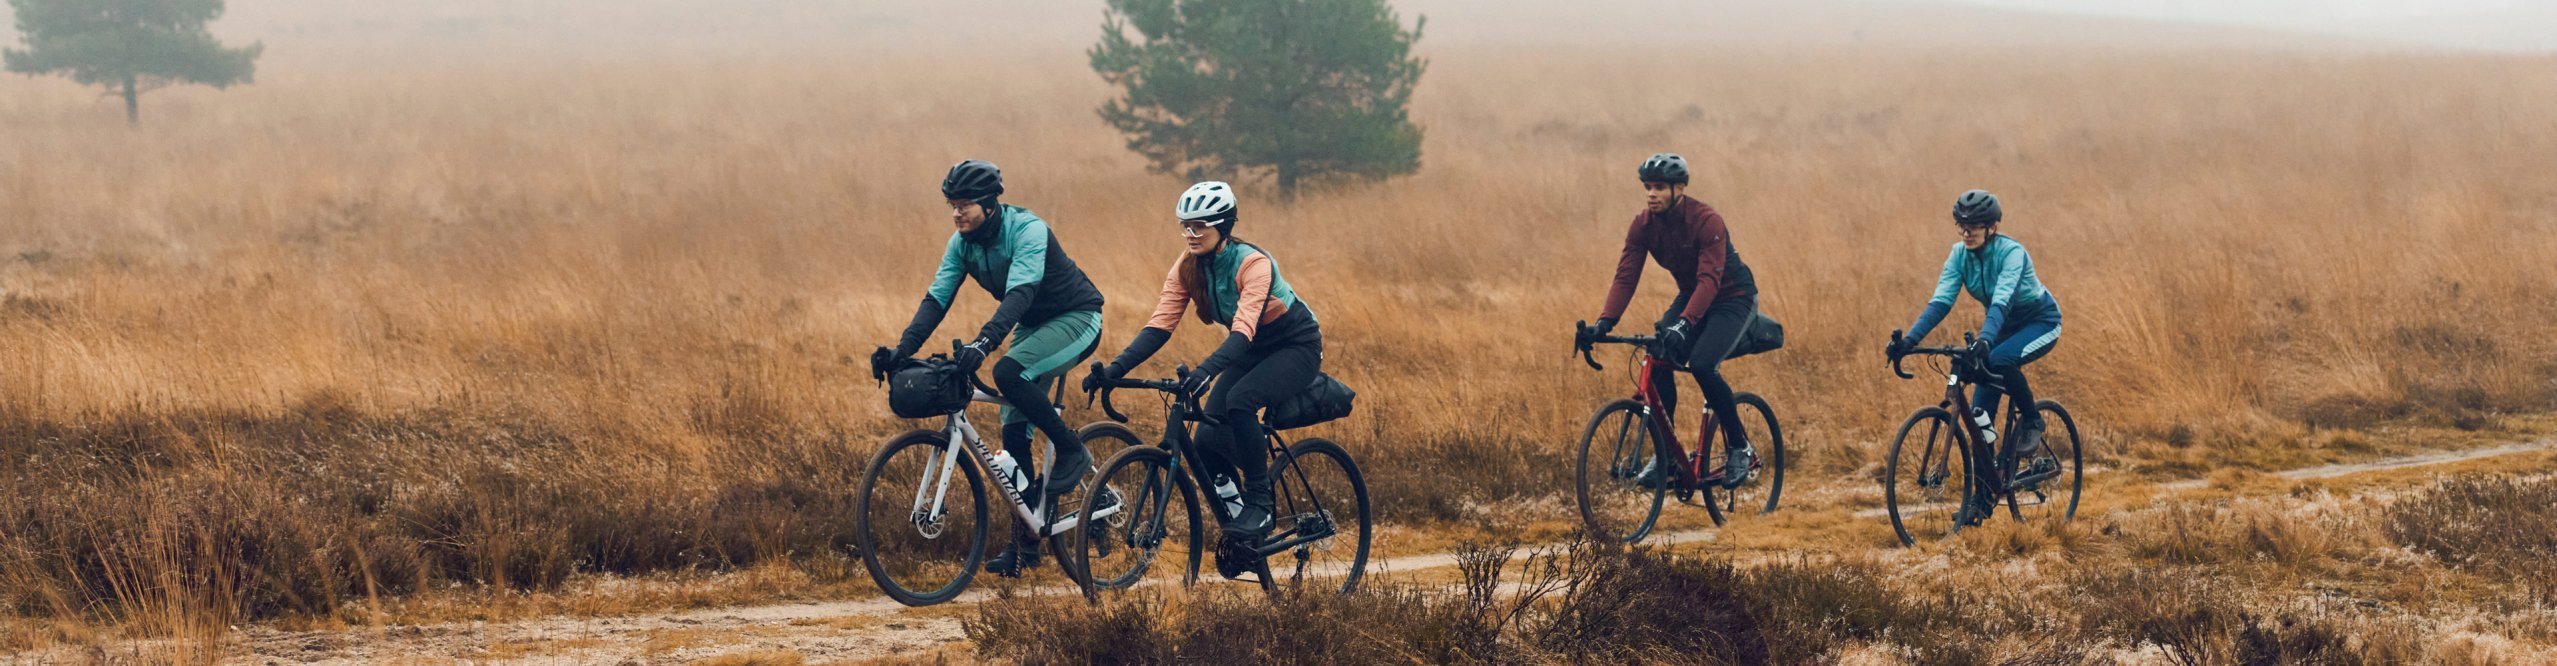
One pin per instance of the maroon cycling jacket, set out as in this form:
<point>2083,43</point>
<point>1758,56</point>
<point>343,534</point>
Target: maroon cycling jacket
<point>1689,241</point>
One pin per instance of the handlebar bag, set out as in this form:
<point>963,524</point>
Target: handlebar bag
<point>1326,400</point>
<point>928,388</point>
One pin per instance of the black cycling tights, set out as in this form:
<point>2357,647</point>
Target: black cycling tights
<point>1030,400</point>
<point>1260,378</point>
<point>1715,337</point>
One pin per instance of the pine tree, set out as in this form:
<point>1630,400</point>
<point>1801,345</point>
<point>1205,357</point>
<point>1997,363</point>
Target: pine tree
<point>128,46</point>
<point>1306,91</point>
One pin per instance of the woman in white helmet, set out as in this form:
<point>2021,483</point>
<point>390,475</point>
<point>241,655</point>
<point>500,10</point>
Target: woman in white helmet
<point>1273,347</point>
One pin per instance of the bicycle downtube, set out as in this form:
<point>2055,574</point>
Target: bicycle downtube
<point>985,461</point>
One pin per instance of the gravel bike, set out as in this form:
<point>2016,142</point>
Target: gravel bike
<point>1629,436</point>
<point>922,542</point>
<point>1937,456</point>
<point>1150,498</point>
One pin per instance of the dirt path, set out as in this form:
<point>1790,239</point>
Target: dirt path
<point>820,632</point>
<point>2332,471</point>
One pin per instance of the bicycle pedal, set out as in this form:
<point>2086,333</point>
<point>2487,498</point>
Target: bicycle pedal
<point>2031,480</point>
<point>1234,557</point>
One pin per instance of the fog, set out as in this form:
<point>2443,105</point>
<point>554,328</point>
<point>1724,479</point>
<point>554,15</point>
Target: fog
<point>359,34</point>
<point>2451,24</point>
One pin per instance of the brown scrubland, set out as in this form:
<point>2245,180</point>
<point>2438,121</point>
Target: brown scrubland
<point>398,326</point>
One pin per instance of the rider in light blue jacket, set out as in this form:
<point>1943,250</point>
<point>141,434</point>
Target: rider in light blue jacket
<point>2022,322</point>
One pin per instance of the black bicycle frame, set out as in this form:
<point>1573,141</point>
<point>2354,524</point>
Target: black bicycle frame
<point>1967,436</point>
<point>1970,436</point>
<point>1178,438</point>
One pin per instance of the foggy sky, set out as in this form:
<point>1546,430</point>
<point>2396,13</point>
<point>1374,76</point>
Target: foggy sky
<point>2458,24</point>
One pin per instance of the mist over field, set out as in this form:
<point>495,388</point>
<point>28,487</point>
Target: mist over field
<point>492,311</point>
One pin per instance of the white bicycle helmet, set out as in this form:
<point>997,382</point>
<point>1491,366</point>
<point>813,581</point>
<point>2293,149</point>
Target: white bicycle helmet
<point>1211,202</point>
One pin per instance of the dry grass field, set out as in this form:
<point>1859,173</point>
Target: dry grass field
<point>507,317</point>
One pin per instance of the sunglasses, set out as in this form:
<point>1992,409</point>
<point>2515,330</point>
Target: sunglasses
<point>1193,229</point>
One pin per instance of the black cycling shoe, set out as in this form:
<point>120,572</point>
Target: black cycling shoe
<point>1016,559</point>
<point>1259,514</point>
<point>2038,466</point>
<point>1068,471</point>
<point>2026,441</point>
<point>1739,464</point>
<point>1974,509</point>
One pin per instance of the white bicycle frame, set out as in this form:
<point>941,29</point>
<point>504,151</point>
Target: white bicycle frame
<point>929,495</point>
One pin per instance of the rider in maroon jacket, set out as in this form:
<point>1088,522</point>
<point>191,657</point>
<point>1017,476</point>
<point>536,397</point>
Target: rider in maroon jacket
<point>1716,299</point>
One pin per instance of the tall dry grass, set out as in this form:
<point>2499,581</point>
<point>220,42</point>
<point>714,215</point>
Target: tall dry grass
<point>2403,580</point>
<point>351,332</point>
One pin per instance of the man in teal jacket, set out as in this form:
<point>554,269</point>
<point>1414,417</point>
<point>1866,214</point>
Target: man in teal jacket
<point>1050,310</point>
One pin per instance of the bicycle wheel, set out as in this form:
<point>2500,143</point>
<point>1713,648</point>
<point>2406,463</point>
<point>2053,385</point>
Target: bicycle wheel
<point>1615,449</point>
<point>1766,482</point>
<point>1927,477</point>
<point>1102,439</point>
<point>1149,517</point>
<point>1322,504</point>
<point>2061,456</point>
<point>921,535</point>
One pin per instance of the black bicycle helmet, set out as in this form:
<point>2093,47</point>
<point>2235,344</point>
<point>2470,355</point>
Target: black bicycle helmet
<point>1977,207</point>
<point>1665,168</point>
<point>974,180</point>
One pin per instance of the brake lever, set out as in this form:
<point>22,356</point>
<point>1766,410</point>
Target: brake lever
<point>1896,336</point>
<point>1580,335</point>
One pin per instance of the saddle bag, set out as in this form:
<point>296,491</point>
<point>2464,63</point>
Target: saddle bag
<point>1326,400</point>
<point>1763,335</point>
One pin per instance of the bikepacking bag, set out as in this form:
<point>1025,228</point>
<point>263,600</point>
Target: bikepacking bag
<point>928,388</point>
<point>1326,400</point>
<point>1763,335</point>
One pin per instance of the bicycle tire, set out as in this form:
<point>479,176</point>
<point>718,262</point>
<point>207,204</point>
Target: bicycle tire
<point>1768,437</point>
<point>2062,447</point>
<point>875,550</point>
<point>1936,474</point>
<point>1299,515</point>
<point>1132,530</point>
<point>1599,488</point>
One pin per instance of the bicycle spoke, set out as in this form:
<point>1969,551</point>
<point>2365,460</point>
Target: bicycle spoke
<point>1149,537</point>
<point>1924,487</point>
<point>917,554</point>
<point>1616,450</point>
<point>1324,506</point>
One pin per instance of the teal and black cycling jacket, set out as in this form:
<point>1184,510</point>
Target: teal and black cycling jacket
<point>1018,262</point>
<point>2000,276</point>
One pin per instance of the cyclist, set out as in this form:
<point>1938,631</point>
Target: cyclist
<point>1273,347</point>
<point>1050,311</point>
<point>2021,323</point>
<point>1717,296</point>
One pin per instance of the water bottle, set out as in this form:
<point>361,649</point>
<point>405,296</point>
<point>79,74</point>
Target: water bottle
<point>1980,417</point>
<point>1229,495</point>
<point>1007,471</point>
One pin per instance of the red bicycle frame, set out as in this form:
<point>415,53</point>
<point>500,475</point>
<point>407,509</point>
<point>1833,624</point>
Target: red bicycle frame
<point>1649,396</point>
